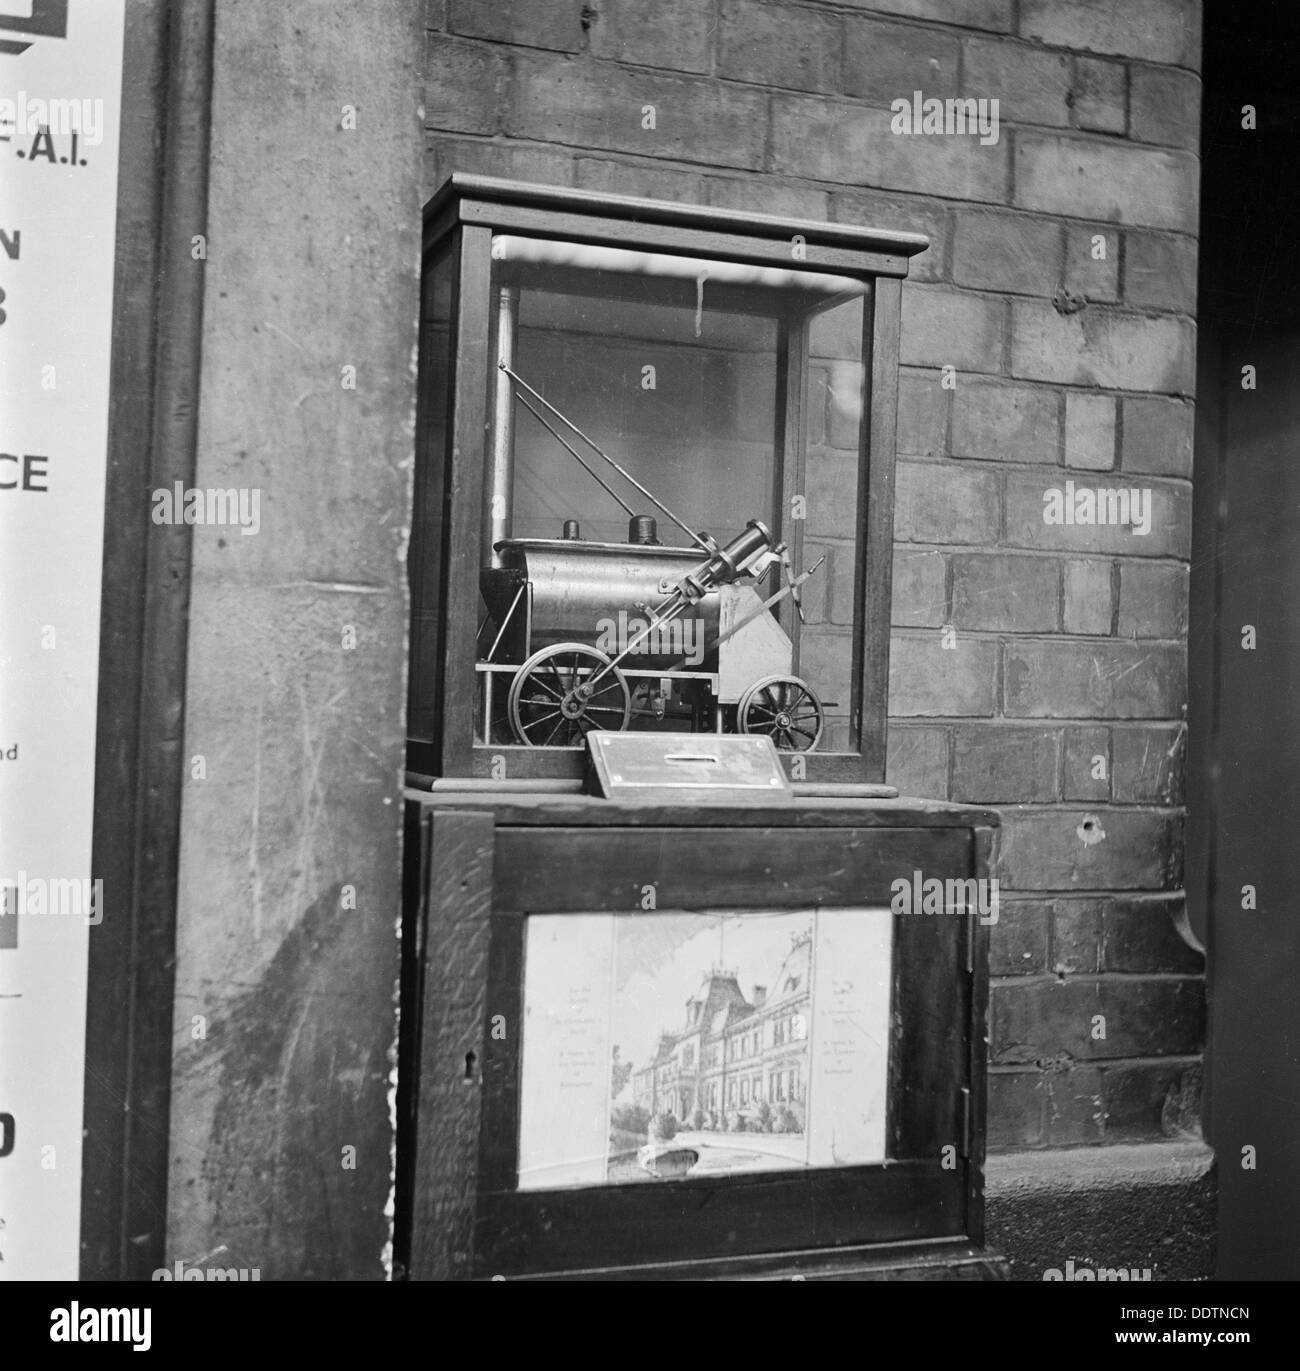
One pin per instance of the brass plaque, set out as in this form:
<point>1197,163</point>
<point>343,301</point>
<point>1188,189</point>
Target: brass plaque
<point>725,765</point>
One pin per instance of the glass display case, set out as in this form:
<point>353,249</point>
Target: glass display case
<point>654,481</point>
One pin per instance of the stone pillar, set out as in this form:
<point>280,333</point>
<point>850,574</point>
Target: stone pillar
<point>287,951</point>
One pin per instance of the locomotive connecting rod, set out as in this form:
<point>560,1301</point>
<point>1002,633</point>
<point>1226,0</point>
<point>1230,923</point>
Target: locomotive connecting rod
<point>721,569</point>
<point>671,609</point>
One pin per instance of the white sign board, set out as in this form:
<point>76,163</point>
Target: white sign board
<point>60,97</point>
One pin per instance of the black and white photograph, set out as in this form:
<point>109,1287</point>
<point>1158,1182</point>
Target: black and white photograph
<point>649,640</point>
<point>738,1043</point>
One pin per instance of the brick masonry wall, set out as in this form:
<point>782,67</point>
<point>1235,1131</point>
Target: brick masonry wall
<point>1037,666</point>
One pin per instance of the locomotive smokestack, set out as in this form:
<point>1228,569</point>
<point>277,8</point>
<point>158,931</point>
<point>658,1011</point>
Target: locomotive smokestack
<point>499,492</point>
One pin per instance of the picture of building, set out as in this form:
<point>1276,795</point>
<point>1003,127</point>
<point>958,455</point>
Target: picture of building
<point>737,1063</point>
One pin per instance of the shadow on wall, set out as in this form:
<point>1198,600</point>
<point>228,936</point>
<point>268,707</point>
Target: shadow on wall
<point>295,1129</point>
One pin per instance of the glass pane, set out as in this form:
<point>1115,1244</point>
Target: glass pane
<point>691,415</point>
<point>650,411</point>
<point>833,520</point>
<point>683,1046</point>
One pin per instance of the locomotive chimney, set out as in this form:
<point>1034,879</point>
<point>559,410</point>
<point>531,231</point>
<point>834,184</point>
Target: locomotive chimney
<point>643,530</point>
<point>498,494</point>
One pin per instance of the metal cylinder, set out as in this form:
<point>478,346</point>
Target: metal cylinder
<point>723,566</point>
<point>572,533</point>
<point>498,486</point>
<point>643,531</point>
<point>590,593</point>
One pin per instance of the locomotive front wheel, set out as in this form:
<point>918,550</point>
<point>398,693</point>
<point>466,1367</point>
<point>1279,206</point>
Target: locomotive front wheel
<point>553,702</point>
<point>786,709</point>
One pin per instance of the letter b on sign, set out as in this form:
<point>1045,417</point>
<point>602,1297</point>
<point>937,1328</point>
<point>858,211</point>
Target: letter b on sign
<point>7,1131</point>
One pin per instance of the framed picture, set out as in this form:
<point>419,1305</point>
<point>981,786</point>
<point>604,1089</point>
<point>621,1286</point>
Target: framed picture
<point>662,1046</point>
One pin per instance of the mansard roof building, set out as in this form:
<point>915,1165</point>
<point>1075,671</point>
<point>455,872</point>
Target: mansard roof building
<point>734,1054</point>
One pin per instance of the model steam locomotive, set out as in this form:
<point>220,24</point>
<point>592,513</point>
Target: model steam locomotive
<point>582,635</point>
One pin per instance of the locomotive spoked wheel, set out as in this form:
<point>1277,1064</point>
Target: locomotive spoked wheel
<point>786,709</point>
<point>553,703</point>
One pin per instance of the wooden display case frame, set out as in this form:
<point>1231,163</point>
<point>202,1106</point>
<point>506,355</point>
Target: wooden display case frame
<point>460,220</point>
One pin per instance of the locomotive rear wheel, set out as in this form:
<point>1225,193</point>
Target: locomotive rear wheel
<point>786,709</point>
<point>553,704</point>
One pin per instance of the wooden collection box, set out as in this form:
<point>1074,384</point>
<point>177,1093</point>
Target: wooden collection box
<point>493,868</point>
